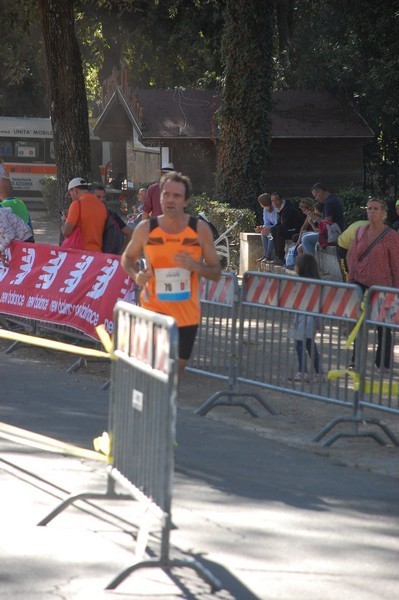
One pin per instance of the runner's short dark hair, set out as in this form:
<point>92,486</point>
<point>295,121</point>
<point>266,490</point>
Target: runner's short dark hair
<point>178,178</point>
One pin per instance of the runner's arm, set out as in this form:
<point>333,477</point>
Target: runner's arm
<point>134,251</point>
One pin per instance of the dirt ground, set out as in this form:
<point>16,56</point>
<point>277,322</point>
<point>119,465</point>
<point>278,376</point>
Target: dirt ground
<point>296,422</point>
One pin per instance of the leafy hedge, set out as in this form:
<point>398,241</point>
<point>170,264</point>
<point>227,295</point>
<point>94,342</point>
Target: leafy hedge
<point>354,200</point>
<point>223,216</point>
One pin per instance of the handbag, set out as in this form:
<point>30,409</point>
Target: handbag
<point>328,233</point>
<point>75,239</point>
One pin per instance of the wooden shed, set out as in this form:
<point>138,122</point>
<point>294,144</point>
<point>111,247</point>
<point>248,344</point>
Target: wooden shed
<point>315,137</point>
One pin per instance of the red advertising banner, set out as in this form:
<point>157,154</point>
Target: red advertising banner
<point>67,287</point>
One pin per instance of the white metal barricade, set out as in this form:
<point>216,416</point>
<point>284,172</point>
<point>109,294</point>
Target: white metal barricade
<point>142,428</point>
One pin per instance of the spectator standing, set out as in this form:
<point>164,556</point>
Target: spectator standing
<point>152,202</point>
<point>19,208</point>
<point>269,214</point>
<point>289,223</point>
<point>87,212</point>
<point>12,228</point>
<point>99,191</point>
<point>8,200</point>
<point>333,212</point>
<point>373,260</point>
<point>305,326</point>
<point>344,242</point>
<point>178,249</point>
<point>395,224</point>
<point>141,196</point>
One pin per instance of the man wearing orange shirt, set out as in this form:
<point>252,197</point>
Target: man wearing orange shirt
<point>87,212</point>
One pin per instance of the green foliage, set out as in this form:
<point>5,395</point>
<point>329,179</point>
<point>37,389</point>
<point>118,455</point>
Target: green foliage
<point>22,77</point>
<point>348,48</point>
<point>351,49</point>
<point>222,216</point>
<point>167,43</point>
<point>354,201</point>
<point>164,43</point>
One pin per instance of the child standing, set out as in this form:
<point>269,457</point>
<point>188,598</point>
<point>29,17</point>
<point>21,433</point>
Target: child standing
<point>269,214</point>
<point>306,326</point>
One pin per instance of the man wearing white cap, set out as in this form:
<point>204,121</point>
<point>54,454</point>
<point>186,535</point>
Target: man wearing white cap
<point>152,202</point>
<point>87,212</point>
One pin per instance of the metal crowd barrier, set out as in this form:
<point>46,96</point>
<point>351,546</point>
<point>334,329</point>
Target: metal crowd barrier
<point>215,349</point>
<point>142,429</point>
<point>266,344</point>
<point>375,375</point>
<point>379,382</point>
<point>267,353</point>
<point>269,310</point>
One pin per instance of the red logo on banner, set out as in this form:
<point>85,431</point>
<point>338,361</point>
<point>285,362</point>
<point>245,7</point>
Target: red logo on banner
<point>67,287</point>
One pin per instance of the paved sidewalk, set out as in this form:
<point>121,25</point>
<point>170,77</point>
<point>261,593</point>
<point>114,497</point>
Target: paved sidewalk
<point>46,228</point>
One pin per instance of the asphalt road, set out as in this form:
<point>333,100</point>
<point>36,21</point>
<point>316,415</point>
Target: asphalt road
<point>271,521</point>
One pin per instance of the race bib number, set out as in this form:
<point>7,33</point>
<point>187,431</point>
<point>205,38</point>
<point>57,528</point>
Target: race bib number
<point>172,284</point>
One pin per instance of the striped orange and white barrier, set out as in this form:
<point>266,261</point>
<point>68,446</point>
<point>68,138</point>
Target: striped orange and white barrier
<point>384,307</point>
<point>223,291</point>
<point>304,295</point>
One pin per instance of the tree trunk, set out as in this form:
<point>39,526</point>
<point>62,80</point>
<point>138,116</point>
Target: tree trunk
<point>67,93</point>
<point>244,118</point>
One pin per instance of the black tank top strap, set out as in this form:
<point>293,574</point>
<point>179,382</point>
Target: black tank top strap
<point>153,223</point>
<point>192,222</point>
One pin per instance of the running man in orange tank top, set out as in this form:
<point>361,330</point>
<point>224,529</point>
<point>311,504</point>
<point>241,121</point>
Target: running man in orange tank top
<point>178,250</point>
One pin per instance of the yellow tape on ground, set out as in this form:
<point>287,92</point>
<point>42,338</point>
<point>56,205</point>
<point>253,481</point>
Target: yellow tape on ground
<point>52,344</point>
<point>103,444</point>
<point>105,338</point>
<point>42,442</point>
<point>342,372</point>
<point>385,388</point>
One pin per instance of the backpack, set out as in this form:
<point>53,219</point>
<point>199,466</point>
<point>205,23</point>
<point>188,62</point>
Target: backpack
<point>113,237</point>
<point>328,233</point>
